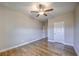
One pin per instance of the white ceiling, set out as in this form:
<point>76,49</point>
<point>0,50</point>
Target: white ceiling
<point>25,7</point>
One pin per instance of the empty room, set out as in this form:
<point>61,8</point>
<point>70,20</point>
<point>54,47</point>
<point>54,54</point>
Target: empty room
<point>39,29</point>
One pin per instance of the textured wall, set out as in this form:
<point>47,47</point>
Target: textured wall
<point>45,29</point>
<point>17,28</point>
<point>76,28</point>
<point>67,18</point>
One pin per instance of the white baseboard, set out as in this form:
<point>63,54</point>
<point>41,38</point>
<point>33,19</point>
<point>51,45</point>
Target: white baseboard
<point>24,43</point>
<point>68,44</point>
<point>76,50</point>
<point>62,43</point>
<point>44,36</point>
<point>51,40</point>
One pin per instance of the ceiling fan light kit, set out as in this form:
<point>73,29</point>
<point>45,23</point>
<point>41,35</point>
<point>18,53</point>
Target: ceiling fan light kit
<point>42,10</point>
<point>41,13</point>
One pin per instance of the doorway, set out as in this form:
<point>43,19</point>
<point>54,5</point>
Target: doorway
<point>59,32</point>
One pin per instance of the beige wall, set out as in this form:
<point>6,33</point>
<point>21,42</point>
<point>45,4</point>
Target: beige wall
<point>45,29</point>
<point>17,28</point>
<point>67,18</point>
<point>76,28</point>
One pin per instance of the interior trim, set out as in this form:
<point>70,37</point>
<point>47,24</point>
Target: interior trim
<point>3,50</point>
<point>62,43</point>
<point>76,50</point>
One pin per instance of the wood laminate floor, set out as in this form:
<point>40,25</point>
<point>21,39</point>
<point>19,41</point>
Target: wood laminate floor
<point>41,48</point>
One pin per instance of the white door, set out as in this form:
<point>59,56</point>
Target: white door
<point>59,32</point>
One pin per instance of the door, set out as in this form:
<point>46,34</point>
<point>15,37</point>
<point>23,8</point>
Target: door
<point>59,32</point>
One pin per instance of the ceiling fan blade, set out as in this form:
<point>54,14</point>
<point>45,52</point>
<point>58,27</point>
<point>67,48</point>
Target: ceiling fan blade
<point>34,11</point>
<point>48,10</point>
<point>40,6</point>
<point>37,15</point>
<point>45,14</point>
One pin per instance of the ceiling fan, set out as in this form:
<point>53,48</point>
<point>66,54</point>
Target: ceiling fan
<point>42,10</point>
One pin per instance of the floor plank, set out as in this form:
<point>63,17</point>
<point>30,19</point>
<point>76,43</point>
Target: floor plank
<point>41,48</point>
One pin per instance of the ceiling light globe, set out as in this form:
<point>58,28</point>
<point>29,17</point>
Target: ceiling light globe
<point>41,13</point>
